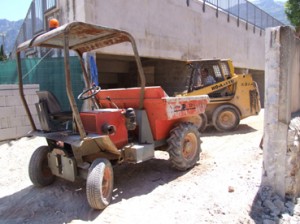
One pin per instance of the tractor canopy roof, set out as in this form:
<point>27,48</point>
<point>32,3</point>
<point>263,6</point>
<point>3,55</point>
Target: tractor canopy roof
<point>82,37</point>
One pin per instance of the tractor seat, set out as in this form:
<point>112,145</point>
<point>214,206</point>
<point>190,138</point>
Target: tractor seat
<point>53,107</point>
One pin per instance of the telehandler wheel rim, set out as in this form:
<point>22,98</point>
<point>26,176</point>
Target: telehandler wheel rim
<point>99,185</point>
<point>189,146</point>
<point>226,118</point>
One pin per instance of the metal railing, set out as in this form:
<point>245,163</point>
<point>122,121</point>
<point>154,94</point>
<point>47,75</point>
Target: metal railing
<point>244,10</point>
<point>34,22</point>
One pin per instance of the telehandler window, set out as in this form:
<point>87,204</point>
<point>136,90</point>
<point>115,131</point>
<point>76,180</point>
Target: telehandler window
<point>218,73</point>
<point>225,69</point>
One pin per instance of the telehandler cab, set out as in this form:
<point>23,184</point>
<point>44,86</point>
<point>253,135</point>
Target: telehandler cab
<point>123,125</point>
<point>232,96</point>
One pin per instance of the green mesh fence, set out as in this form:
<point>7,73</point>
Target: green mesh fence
<point>48,73</point>
<point>8,72</point>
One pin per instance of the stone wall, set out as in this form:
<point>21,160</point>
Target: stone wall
<point>281,154</point>
<point>13,119</point>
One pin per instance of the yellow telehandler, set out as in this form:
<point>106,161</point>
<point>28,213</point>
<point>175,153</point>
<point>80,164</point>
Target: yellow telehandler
<point>232,96</point>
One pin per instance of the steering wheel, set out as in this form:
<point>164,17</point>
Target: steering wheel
<point>93,89</point>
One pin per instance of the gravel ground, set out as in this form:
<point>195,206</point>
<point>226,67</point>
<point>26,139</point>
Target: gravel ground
<point>221,188</point>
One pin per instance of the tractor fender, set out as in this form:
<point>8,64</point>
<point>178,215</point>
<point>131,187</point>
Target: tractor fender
<point>196,120</point>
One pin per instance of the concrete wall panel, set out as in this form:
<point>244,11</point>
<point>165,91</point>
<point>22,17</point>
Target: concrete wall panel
<point>172,30</point>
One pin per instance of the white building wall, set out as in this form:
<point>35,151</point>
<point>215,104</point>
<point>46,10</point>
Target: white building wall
<point>172,30</point>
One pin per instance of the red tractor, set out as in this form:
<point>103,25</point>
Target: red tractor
<point>123,125</point>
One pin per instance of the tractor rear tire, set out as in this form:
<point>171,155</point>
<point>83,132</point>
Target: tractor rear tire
<point>226,118</point>
<point>99,184</point>
<point>184,146</point>
<point>39,172</point>
<point>203,124</point>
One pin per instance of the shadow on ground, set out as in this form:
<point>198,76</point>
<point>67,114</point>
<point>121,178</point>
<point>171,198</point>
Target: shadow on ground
<point>257,209</point>
<point>241,129</point>
<point>64,201</point>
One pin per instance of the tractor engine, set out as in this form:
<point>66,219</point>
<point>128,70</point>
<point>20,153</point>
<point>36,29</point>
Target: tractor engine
<point>112,122</point>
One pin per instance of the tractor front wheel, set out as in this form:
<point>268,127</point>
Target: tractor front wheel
<point>39,172</point>
<point>99,184</point>
<point>184,146</point>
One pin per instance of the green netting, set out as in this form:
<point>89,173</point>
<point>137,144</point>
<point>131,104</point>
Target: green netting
<point>8,72</point>
<point>48,73</point>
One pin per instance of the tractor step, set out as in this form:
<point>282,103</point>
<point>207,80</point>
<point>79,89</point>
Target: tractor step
<point>62,166</point>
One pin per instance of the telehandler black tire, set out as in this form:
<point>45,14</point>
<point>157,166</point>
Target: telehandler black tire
<point>226,118</point>
<point>203,124</point>
<point>39,172</point>
<point>184,146</point>
<point>99,184</point>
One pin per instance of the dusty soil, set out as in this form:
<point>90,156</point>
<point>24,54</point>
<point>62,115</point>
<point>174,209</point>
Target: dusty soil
<point>219,189</point>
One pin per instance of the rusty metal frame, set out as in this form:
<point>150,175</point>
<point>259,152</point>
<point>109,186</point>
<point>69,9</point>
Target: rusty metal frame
<point>80,37</point>
<point>21,92</point>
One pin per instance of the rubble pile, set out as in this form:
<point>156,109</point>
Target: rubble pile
<point>275,209</point>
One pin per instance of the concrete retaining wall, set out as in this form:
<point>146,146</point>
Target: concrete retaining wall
<point>281,141</point>
<point>13,119</point>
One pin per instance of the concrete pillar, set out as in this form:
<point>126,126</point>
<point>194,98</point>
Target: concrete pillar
<point>281,99</point>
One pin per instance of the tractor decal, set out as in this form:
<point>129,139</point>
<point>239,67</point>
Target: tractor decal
<point>184,106</point>
<point>222,85</point>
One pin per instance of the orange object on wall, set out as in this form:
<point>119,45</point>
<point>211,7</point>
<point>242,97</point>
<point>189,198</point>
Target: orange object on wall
<point>53,23</point>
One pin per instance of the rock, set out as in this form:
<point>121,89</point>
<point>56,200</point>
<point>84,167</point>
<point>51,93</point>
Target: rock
<point>290,207</point>
<point>265,192</point>
<point>266,216</point>
<point>280,205</point>
<point>230,189</point>
<point>268,221</point>
<point>273,209</point>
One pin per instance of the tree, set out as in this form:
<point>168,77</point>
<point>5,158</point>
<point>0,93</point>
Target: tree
<point>2,54</point>
<point>292,11</point>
